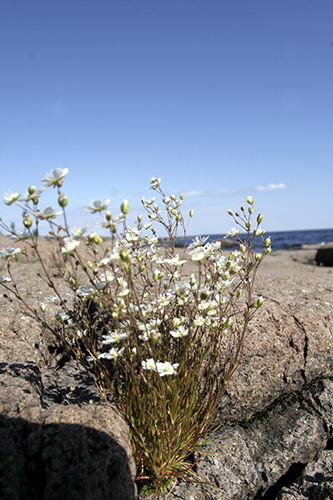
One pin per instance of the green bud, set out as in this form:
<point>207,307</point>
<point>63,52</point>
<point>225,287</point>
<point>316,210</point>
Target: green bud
<point>124,255</point>
<point>250,210</point>
<point>108,215</point>
<point>72,281</point>
<point>268,250</point>
<point>259,302</point>
<point>95,238</point>
<point>248,224</point>
<point>260,218</point>
<point>230,212</point>
<point>90,265</point>
<point>182,196</point>
<point>31,189</point>
<point>124,207</point>
<point>267,242</point>
<point>63,200</point>
<point>139,218</point>
<point>258,256</point>
<point>191,212</point>
<point>242,248</point>
<point>27,222</point>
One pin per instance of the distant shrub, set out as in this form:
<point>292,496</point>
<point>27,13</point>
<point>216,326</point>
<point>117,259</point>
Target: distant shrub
<point>159,342</point>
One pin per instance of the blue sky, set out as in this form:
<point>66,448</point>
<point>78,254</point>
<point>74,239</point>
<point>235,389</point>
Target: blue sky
<point>220,98</point>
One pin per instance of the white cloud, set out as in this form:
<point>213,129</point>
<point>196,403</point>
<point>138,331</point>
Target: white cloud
<point>212,193</point>
<point>271,187</point>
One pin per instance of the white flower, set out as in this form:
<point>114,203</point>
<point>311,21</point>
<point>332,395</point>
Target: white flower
<point>78,232</point>
<point>54,300</point>
<point>84,291</point>
<point>5,279</point>
<point>70,245</point>
<point>98,205</point>
<point>155,182</point>
<point>47,213</point>
<point>198,241</point>
<point>149,364</point>
<point>55,176</point>
<point>198,254</point>
<point>114,337</point>
<point>20,235</point>
<point>33,195</point>
<point>166,368</point>
<point>175,261</point>
<point>202,321</point>
<point>112,354</point>
<point>232,232</point>
<point>180,332</point>
<point>10,197</point>
<point>9,253</point>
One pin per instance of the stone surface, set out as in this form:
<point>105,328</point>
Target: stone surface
<point>58,440</point>
<point>62,441</point>
<point>324,255</point>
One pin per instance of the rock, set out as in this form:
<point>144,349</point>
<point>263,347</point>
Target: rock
<point>58,440</point>
<point>277,414</point>
<point>315,481</point>
<point>324,255</point>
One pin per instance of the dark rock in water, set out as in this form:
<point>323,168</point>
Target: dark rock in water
<point>324,255</point>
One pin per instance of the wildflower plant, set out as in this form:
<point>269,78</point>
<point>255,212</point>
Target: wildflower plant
<point>159,341</point>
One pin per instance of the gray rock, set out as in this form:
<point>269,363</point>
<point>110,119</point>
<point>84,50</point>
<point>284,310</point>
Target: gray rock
<point>324,255</point>
<point>58,440</point>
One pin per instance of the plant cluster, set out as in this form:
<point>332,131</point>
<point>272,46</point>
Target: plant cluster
<point>159,341</point>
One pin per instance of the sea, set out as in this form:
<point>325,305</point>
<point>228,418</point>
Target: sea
<point>284,240</point>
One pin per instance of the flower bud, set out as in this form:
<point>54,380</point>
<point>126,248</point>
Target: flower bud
<point>182,196</point>
<point>250,200</point>
<point>250,209</point>
<point>31,189</point>
<point>124,255</point>
<point>139,218</point>
<point>124,207</point>
<point>27,222</point>
<point>248,224</point>
<point>258,256</point>
<point>242,248</point>
<point>90,265</point>
<point>268,250</point>
<point>72,281</point>
<point>95,238</point>
<point>62,200</point>
<point>259,302</point>
<point>108,215</point>
<point>191,212</point>
<point>230,212</point>
<point>260,218</point>
<point>267,242</point>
